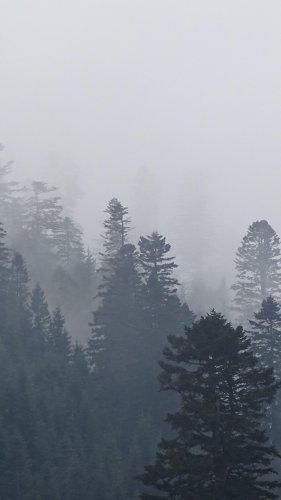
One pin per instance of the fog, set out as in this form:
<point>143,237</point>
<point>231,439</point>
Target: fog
<point>131,125</point>
<point>176,104</point>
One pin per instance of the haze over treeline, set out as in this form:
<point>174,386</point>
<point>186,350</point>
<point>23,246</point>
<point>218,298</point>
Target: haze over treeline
<point>140,258</point>
<point>95,91</point>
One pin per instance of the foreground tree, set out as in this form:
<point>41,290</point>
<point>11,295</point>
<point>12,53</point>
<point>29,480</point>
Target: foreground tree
<point>265,334</point>
<point>258,266</point>
<point>220,450</point>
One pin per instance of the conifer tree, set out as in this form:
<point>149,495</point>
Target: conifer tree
<point>157,267</point>
<point>19,279</point>
<point>119,305</point>
<point>160,301</point>
<point>40,318</point>
<point>42,213</point>
<point>10,202</point>
<point>68,240</point>
<point>258,266</point>
<point>58,338</point>
<point>18,296</point>
<point>163,314</point>
<point>220,449</point>
<point>4,277</point>
<point>115,343</point>
<point>116,228</point>
<point>265,334</point>
<point>4,259</point>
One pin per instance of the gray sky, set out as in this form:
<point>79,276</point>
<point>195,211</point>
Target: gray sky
<point>93,90</point>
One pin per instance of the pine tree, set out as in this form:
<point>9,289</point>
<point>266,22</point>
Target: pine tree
<point>115,342</point>
<point>68,240</point>
<point>220,449</point>
<point>42,213</point>
<point>116,228</point>
<point>258,266</point>
<point>157,267</point>
<point>160,301</point>
<point>163,314</point>
<point>119,305</point>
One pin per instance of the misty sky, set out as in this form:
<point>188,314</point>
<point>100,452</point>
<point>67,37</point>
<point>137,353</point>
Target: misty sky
<point>93,90</point>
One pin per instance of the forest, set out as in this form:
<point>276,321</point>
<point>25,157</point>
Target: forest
<point>111,387</point>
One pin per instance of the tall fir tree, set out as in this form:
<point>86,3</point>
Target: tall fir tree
<point>115,342</point>
<point>160,301</point>
<point>219,449</point>
<point>69,242</point>
<point>157,267</point>
<point>163,314</point>
<point>258,269</point>
<point>116,228</point>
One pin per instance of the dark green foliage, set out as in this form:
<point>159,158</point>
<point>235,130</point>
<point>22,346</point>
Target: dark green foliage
<point>219,449</point>
<point>159,290</point>
<point>157,267</point>
<point>48,411</point>
<point>258,266</point>
<point>76,422</point>
<point>139,306</point>
<point>162,311</point>
<point>115,346</point>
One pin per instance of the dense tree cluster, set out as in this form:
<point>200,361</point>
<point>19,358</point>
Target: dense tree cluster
<point>82,420</point>
<point>219,449</point>
<point>44,446</point>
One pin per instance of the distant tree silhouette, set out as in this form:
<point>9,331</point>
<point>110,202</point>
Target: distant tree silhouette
<point>258,269</point>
